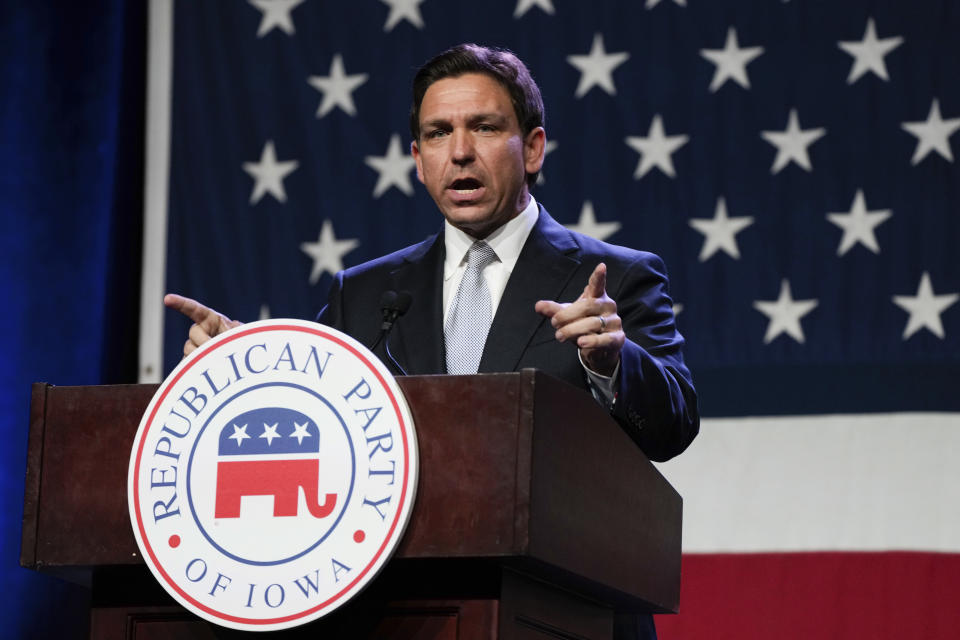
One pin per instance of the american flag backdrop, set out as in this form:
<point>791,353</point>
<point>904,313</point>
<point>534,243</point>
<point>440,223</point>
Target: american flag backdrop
<point>791,160</point>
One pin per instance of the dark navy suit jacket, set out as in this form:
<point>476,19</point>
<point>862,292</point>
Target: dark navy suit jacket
<point>655,401</point>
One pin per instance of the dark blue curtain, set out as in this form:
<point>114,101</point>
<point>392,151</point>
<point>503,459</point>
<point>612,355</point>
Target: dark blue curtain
<point>71,150</point>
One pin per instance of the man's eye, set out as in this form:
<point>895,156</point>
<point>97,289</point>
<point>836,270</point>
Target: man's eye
<point>486,128</point>
<point>436,133</point>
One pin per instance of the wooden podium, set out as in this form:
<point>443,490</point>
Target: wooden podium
<point>536,517</point>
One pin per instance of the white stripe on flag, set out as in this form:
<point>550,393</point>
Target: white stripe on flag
<point>156,183</point>
<point>870,482</point>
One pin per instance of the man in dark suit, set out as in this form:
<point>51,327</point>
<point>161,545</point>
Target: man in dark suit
<point>503,286</point>
<point>654,398</point>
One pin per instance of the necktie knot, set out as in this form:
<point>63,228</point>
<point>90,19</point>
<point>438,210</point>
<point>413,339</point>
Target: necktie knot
<point>480,255</point>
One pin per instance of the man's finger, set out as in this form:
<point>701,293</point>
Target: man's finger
<point>198,334</point>
<point>612,339</point>
<point>597,284</point>
<point>189,307</point>
<point>582,326</point>
<point>583,308</point>
<point>548,308</point>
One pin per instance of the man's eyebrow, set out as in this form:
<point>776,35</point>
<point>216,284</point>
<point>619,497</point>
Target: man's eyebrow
<point>491,116</point>
<point>434,123</point>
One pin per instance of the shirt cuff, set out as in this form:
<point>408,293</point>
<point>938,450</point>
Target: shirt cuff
<point>603,388</point>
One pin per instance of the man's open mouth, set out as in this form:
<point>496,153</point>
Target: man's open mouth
<point>465,186</point>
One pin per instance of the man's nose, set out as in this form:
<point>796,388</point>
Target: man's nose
<point>463,151</point>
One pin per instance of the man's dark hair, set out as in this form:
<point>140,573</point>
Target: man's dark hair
<point>501,65</point>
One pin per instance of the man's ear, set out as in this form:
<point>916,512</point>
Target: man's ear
<point>415,152</point>
<point>533,148</point>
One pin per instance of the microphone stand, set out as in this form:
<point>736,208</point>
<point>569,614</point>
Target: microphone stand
<point>392,307</point>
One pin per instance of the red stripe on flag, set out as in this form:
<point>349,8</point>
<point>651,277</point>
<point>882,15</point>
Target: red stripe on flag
<point>824,595</point>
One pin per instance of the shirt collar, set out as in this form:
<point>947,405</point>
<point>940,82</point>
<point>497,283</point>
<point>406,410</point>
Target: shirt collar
<point>506,240</point>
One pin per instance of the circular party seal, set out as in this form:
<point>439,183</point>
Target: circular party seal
<point>273,475</point>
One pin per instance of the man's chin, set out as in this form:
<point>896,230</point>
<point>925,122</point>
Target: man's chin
<point>476,220</point>
<point>468,217</point>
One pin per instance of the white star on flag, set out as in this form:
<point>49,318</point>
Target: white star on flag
<point>270,432</point>
<point>268,174</point>
<point>276,13</point>
<point>525,5</point>
<point>264,312</point>
<point>784,314</point>
<point>547,150</point>
<point>731,61</point>
<point>868,53</point>
<point>596,68</point>
<point>239,434</point>
<point>655,150</point>
<point>792,143</point>
<point>720,232</point>
<point>588,225</point>
<point>925,308</point>
<point>652,3</point>
<point>932,135</point>
<point>327,252</point>
<point>858,225</point>
<point>394,168</point>
<point>300,432</point>
<point>337,88</point>
<point>408,10</point>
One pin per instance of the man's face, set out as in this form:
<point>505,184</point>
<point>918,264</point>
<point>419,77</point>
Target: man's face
<point>472,156</point>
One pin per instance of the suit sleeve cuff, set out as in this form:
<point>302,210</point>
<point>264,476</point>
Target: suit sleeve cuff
<point>603,388</point>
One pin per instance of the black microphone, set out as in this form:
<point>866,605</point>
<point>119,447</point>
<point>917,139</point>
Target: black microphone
<point>392,306</point>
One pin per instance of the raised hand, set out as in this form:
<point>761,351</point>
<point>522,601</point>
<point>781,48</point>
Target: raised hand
<point>591,321</point>
<point>207,322</point>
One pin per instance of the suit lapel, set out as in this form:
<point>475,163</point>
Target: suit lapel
<point>547,262</point>
<point>417,338</point>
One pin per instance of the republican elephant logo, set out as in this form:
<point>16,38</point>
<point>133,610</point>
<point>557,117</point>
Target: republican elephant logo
<point>270,451</point>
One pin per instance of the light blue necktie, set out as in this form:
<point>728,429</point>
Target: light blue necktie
<point>470,316</point>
